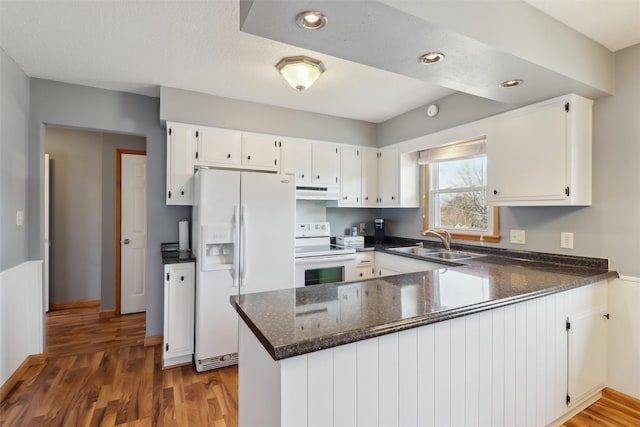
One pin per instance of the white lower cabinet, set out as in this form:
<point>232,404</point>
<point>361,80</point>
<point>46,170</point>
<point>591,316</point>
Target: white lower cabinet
<point>504,366</point>
<point>587,344</point>
<point>179,289</point>
<point>363,267</point>
<point>389,265</point>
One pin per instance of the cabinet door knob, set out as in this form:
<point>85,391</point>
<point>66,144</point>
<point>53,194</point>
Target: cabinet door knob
<point>366,198</point>
<point>393,198</point>
<point>495,192</point>
<point>302,176</point>
<point>228,156</point>
<point>360,274</point>
<point>126,241</point>
<point>182,192</point>
<point>182,278</point>
<point>344,198</point>
<point>248,157</point>
<point>317,176</point>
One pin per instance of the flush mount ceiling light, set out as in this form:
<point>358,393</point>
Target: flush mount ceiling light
<point>511,83</point>
<point>300,71</point>
<point>431,57</point>
<point>311,20</point>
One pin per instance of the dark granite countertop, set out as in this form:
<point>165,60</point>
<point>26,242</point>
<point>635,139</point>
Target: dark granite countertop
<point>171,254</point>
<point>296,321</point>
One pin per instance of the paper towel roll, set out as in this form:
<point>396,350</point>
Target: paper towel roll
<point>183,235</point>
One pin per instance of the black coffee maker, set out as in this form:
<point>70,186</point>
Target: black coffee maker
<point>378,230</point>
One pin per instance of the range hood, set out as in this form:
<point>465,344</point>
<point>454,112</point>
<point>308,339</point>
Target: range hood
<point>317,192</point>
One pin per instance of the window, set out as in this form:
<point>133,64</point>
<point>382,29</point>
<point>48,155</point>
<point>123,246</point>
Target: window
<point>456,194</point>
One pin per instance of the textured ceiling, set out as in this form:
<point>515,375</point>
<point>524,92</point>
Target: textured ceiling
<point>615,24</point>
<point>137,46</point>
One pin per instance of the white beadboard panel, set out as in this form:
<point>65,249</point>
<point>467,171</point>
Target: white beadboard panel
<point>21,316</point>
<point>506,366</point>
<point>472,369</point>
<point>388,365</point>
<point>624,335</point>
<point>442,377</point>
<point>294,391</point>
<point>344,386</point>
<point>408,378</point>
<point>458,371</point>
<point>426,375</point>
<point>541,359</point>
<point>521,364</point>
<point>259,382</point>
<point>485,352</point>
<point>497,370</point>
<point>531,373</point>
<point>320,388</point>
<point>510,365</point>
<point>367,382</point>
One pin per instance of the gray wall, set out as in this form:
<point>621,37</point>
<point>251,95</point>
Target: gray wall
<point>67,105</point>
<point>455,109</point>
<point>209,110</point>
<point>14,171</point>
<point>83,213</point>
<point>611,227</point>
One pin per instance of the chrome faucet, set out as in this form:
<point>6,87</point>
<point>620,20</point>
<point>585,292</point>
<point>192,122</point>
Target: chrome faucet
<point>444,236</point>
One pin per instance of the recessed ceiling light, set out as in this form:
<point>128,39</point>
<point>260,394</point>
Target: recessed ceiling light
<point>431,57</point>
<point>511,83</point>
<point>311,20</point>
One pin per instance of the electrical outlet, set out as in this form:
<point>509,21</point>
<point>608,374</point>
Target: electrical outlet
<point>518,237</point>
<point>363,228</point>
<point>20,218</point>
<point>566,240</point>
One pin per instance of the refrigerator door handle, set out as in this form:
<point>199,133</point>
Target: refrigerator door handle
<point>243,259</point>
<point>236,254</point>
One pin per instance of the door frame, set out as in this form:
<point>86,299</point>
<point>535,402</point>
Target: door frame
<point>118,284</point>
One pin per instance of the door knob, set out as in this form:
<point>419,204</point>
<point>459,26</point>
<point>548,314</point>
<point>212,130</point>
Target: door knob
<point>125,241</point>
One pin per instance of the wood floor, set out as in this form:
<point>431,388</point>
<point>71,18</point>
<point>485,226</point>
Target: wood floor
<point>99,373</point>
<point>613,409</point>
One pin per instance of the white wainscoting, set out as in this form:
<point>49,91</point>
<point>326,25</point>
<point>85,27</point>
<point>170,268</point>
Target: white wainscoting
<point>624,335</point>
<point>21,316</point>
<point>506,366</point>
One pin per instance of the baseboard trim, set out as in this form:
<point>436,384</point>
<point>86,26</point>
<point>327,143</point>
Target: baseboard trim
<point>153,340</point>
<point>18,374</point>
<point>87,303</point>
<point>584,404</point>
<point>107,314</point>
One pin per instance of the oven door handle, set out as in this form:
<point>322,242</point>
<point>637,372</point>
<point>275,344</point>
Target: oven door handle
<point>326,258</point>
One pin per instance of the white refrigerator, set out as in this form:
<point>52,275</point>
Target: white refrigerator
<point>243,236</point>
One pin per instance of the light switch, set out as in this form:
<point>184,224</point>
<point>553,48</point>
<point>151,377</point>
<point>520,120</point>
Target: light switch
<point>566,240</point>
<point>20,218</point>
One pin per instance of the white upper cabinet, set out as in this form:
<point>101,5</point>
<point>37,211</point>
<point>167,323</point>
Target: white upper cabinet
<point>260,152</point>
<point>541,155</point>
<point>222,147</point>
<point>369,176</point>
<point>388,176</point>
<point>234,149</point>
<point>180,141</point>
<point>325,163</point>
<point>295,159</point>
<point>350,175</point>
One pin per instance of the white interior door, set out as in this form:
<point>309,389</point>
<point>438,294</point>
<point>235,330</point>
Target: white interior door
<point>133,234</point>
<point>47,241</point>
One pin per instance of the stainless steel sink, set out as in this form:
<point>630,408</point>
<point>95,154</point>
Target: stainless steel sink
<point>415,250</point>
<point>434,254</point>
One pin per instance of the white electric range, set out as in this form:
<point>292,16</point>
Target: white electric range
<point>317,260</point>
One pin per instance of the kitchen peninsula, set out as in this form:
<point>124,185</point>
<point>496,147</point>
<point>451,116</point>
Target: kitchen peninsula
<point>495,341</point>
